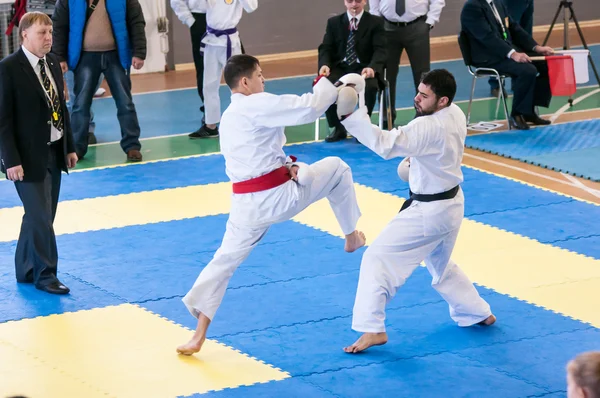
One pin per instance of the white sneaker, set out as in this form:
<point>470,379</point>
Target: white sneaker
<point>100,92</point>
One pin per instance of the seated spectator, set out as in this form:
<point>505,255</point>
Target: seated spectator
<point>522,12</point>
<point>498,42</point>
<point>583,376</point>
<point>354,42</point>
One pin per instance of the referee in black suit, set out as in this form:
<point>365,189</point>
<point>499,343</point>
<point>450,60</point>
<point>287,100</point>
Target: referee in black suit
<point>36,144</point>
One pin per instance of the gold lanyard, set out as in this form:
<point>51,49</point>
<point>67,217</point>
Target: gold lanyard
<point>54,113</point>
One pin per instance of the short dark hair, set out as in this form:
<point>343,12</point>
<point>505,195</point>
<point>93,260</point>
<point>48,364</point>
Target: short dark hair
<point>442,83</point>
<point>239,66</point>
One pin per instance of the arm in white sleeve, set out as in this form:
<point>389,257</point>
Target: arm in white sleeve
<point>510,53</point>
<point>292,110</point>
<point>249,5</point>
<point>374,7</point>
<point>418,138</point>
<point>183,12</point>
<point>435,10</point>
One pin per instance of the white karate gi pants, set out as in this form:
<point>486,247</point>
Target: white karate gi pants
<point>333,180</point>
<point>215,58</point>
<point>391,259</point>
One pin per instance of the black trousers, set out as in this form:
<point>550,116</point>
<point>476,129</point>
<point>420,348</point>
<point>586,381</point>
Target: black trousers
<point>371,88</point>
<point>530,84</point>
<point>197,31</point>
<point>36,257</point>
<point>413,38</point>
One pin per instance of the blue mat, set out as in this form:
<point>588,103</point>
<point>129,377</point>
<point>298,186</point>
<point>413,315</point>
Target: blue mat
<point>572,148</point>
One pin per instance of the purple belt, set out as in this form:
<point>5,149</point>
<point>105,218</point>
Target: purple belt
<point>220,33</point>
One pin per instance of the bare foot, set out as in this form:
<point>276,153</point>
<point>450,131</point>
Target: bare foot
<point>490,320</point>
<point>365,341</point>
<point>354,241</point>
<point>195,344</point>
<point>191,347</point>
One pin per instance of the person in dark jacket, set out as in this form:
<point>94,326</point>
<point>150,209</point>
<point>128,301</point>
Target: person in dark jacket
<point>354,42</point>
<point>498,42</point>
<point>36,145</point>
<point>93,37</point>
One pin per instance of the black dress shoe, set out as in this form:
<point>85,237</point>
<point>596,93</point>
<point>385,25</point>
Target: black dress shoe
<point>55,287</point>
<point>518,122</point>
<point>535,119</point>
<point>339,133</point>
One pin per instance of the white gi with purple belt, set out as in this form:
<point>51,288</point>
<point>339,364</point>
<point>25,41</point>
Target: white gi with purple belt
<point>220,42</point>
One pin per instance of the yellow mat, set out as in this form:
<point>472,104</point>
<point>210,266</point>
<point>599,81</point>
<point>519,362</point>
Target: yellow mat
<point>118,351</point>
<point>128,209</point>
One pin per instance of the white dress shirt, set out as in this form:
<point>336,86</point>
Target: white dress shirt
<point>55,134</point>
<point>358,17</point>
<point>414,10</point>
<point>184,9</point>
<point>223,16</point>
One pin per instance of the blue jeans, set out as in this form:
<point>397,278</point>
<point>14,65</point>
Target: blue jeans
<point>70,81</point>
<point>86,75</point>
<point>520,11</point>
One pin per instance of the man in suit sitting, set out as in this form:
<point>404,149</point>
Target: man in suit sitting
<point>499,42</point>
<point>35,144</point>
<point>354,42</point>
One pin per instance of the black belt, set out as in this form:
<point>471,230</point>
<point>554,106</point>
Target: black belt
<point>429,198</point>
<point>406,23</point>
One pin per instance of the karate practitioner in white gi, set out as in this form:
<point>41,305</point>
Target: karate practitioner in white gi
<point>221,41</point>
<point>268,186</point>
<point>427,226</point>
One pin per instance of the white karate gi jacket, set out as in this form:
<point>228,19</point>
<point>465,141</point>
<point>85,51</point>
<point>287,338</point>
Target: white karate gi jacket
<point>435,145</point>
<point>252,139</point>
<point>226,14</point>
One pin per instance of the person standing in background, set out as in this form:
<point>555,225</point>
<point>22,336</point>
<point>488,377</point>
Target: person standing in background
<point>407,26</point>
<point>192,13</point>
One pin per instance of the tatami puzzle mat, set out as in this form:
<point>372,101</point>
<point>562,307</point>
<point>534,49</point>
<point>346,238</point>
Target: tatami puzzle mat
<point>132,243</point>
<point>572,148</point>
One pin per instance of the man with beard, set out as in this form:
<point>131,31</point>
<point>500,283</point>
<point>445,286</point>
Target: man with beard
<point>427,225</point>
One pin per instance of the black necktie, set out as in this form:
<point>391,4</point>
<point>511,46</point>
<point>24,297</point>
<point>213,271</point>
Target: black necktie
<point>400,7</point>
<point>351,44</point>
<point>54,102</point>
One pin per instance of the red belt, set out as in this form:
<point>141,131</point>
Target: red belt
<point>268,181</point>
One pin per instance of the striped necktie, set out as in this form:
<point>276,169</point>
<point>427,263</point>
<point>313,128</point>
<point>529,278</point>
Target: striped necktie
<point>57,119</point>
<point>351,56</point>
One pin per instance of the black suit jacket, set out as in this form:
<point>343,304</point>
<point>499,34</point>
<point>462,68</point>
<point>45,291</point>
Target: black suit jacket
<point>370,42</point>
<point>485,33</point>
<point>25,117</point>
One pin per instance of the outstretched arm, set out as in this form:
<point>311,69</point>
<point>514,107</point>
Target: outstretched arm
<point>292,110</point>
<point>418,138</point>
